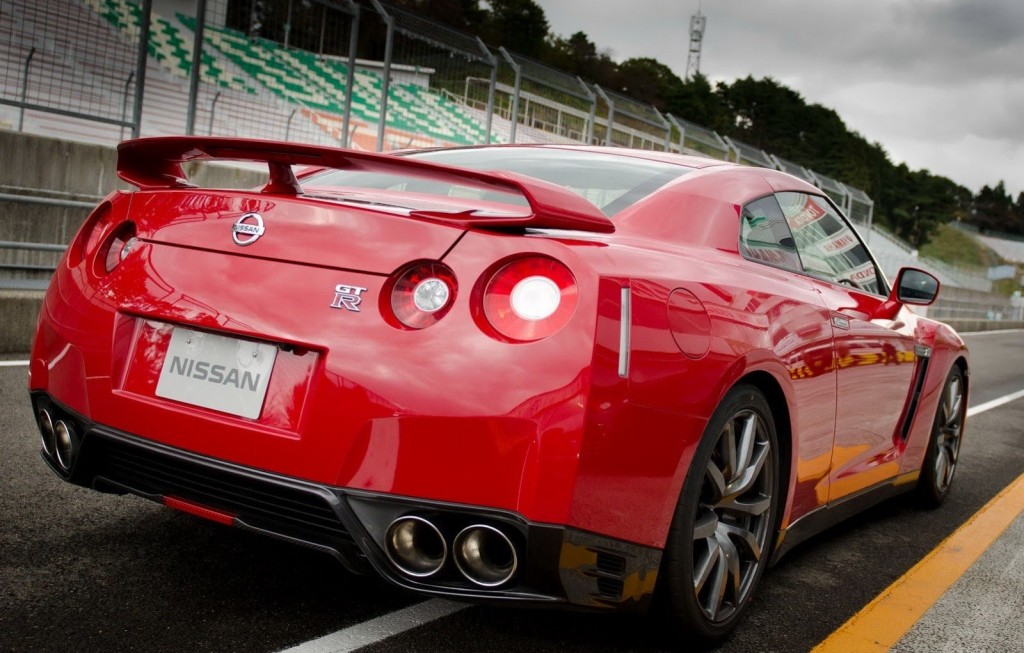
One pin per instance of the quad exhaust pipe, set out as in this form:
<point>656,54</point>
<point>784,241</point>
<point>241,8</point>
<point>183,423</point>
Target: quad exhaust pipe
<point>415,546</point>
<point>483,554</point>
<point>46,433</point>
<point>66,444</point>
<point>59,439</point>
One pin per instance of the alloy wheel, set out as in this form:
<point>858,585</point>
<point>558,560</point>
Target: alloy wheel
<point>948,432</point>
<point>732,523</point>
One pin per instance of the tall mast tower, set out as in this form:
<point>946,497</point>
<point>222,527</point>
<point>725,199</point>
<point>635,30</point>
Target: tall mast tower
<point>697,23</point>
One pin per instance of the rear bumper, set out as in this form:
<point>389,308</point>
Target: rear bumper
<point>557,564</point>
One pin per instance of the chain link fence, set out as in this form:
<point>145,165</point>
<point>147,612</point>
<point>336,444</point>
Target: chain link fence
<point>60,61</point>
<point>365,74</point>
<point>351,73</point>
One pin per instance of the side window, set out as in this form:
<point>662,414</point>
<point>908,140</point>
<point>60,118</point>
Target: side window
<point>765,237</point>
<point>829,247</point>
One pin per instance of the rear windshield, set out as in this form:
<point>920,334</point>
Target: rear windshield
<point>612,183</point>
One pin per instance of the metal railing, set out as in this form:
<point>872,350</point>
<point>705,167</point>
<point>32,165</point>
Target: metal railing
<point>283,69</point>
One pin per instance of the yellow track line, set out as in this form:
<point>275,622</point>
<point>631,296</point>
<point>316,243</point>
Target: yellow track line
<point>895,611</point>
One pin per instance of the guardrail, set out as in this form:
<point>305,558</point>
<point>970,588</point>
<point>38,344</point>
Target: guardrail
<point>11,283</point>
<point>46,201</point>
<point>7,283</point>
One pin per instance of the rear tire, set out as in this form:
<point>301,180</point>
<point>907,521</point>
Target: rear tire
<point>943,451</point>
<point>724,525</point>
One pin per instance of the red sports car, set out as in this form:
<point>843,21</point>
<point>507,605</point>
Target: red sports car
<point>545,374</point>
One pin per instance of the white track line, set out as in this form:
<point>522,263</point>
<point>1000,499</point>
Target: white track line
<point>393,623</point>
<point>389,625</point>
<point>992,332</point>
<point>379,629</point>
<point>995,403</point>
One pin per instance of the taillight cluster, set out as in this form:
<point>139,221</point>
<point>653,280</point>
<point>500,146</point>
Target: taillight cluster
<point>521,300</point>
<point>530,298</point>
<point>118,246</point>
<point>423,294</point>
<point>104,240</point>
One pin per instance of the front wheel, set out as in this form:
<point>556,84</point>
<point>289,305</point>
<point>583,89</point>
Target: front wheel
<point>720,539</point>
<point>944,445</point>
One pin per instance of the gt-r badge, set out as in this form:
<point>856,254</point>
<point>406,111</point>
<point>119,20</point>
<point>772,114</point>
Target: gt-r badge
<point>247,229</point>
<point>348,297</point>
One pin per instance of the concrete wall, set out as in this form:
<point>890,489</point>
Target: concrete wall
<point>36,166</point>
<point>45,167</point>
<point>70,170</point>
<point>18,314</point>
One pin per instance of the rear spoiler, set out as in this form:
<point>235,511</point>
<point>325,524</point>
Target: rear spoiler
<point>156,164</point>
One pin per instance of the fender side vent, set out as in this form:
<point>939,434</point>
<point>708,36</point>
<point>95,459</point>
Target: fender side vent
<point>923,358</point>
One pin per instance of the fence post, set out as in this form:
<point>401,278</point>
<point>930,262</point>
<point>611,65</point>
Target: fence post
<point>493,83</point>
<point>140,67</point>
<point>389,42</point>
<point>288,25</point>
<point>515,93</point>
<point>197,66</point>
<point>611,113</point>
<point>24,88</point>
<point>213,107</point>
<point>288,125</point>
<point>593,110</point>
<point>668,129</point>
<point>350,73</point>
<point>732,147</point>
<point>124,102</point>
<point>682,132</point>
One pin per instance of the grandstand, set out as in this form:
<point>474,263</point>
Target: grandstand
<point>255,87</point>
<point>1010,250</point>
<point>232,62</point>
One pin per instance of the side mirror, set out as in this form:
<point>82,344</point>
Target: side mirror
<point>912,286</point>
<point>915,286</point>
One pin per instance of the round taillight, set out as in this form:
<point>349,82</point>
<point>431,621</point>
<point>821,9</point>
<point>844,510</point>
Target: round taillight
<point>120,246</point>
<point>530,298</point>
<point>423,294</point>
<point>535,298</point>
<point>431,295</point>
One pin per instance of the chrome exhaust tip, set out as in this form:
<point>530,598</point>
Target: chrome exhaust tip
<point>46,431</point>
<point>65,441</point>
<point>415,546</point>
<point>485,555</point>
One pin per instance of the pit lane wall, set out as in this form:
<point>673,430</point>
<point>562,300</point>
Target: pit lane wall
<point>35,166</point>
<point>74,176</point>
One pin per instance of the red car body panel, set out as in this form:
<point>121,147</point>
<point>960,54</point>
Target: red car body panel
<point>549,430</point>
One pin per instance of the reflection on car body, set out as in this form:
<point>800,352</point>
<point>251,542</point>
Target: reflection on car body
<point>543,374</point>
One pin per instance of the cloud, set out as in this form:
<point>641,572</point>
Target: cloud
<point>939,83</point>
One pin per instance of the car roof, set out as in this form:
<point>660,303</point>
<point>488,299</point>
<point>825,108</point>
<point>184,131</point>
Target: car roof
<point>689,161</point>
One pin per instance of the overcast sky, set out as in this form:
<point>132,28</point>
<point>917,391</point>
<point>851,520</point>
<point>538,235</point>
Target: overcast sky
<point>939,83</point>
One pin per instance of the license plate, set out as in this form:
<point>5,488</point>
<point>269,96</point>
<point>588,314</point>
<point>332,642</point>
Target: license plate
<point>216,372</point>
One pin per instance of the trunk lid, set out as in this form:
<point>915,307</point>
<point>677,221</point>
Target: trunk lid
<point>289,228</point>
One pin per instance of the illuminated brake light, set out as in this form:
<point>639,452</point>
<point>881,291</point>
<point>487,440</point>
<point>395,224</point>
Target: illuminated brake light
<point>535,298</point>
<point>530,298</point>
<point>422,295</point>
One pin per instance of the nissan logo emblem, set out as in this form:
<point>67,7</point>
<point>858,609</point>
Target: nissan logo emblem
<point>247,229</point>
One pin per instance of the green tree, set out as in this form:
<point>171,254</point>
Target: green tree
<point>519,25</point>
<point>577,55</point>
<point>648,80</point>
<point>994,210</point>
<point>696,101</point>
